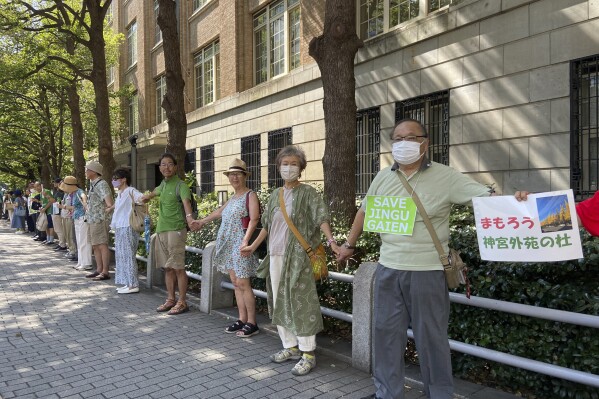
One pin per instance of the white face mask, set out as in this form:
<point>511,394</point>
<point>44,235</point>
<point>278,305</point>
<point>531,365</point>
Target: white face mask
<point>289,172</point>
<point>406,152</point>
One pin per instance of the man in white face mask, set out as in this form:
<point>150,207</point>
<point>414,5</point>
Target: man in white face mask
<point>410,286</point>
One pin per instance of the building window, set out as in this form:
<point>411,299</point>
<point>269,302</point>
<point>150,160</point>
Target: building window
<point>160,93</point>
<point>110,75</point>
<point>190,167</point>
<point>132,44</point>
<point>277,140</point>
<point>376,17</point>
<point>276,39</point>
<point>207,75</point>
<point>132,114</point>
<point>433,112</point>
<point>368,148</point>
<point>250,154</point>
<point>584,132</point>
<point>207,169</point>
<point>109,14</point>
<point>157,31</point>
<point>197,4</point>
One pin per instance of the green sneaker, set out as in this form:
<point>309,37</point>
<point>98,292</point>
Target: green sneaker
<point>305,365</point>
<point>286,354</point>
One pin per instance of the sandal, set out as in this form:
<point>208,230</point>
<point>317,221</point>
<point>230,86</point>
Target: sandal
<point>101,277</point>
<point>180,307</point>
<point>92,275</point>
<point>233,328</point>
<point>166,306</point>
<point>248,330</point>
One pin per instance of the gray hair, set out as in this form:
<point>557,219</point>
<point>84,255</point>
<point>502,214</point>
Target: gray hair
<point>416,121</point>
<point>292,151</point>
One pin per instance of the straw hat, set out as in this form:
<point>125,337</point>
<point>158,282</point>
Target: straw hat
<point>237,166</point>
<point>69,184</point>
<point>95,166</point>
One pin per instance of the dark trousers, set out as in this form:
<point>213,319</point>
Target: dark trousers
<point>418,299</point>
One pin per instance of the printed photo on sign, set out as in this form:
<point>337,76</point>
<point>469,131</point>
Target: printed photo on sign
<point>554,213</point>
<point>542,229</point>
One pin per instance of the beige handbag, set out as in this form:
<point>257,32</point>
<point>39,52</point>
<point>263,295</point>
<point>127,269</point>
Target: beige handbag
<point>318,257</point>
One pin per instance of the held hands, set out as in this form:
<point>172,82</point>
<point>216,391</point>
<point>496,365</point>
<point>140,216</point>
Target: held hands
<point>247,250</point>
<point>343,253</point>
<point>196,225</point>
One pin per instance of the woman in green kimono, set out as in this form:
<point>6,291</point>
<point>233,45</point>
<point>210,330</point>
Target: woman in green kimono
<point>292,299</point>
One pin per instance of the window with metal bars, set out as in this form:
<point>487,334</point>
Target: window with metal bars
<point>190,167</point>
<point>277,140</point>
<point>432,111</point>
<point>368,148</point>
<point>207,169</point>
<point>250,154</point>
<point>584,126</point>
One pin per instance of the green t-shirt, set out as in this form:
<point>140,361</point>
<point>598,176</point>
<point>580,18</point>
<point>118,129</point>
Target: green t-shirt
<point>438,187</point>
<point>46,200</point>
<point>171,215</point>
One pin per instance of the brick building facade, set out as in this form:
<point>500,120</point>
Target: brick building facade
<point>507,88</point>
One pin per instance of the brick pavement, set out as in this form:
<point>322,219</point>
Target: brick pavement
<point>63,336</point>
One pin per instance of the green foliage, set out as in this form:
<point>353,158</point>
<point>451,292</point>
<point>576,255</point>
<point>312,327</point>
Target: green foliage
<point>569,286</point>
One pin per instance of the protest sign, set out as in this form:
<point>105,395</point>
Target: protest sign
<point>390,215</point>
<point>542,229</point>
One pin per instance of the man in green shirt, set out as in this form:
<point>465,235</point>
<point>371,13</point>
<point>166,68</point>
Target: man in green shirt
<point>410,287</point>
<point>174,215</point>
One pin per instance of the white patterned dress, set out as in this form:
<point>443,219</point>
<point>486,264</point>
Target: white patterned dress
<point>228,241</point>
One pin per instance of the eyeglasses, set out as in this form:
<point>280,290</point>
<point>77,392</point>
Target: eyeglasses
<point>235,174</point>
<point>167,165</point>
<point>407,138</point>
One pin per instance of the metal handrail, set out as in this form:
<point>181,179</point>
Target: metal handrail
<point>469,349</point>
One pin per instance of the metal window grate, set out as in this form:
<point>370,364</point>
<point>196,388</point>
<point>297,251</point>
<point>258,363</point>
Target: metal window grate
<point>433,112</point>
<point>277,139</point>
<point>584,129</point>
<point>190,166</point>
<point>368,148</point>
<point>250,154</point>
<point>207,169</point>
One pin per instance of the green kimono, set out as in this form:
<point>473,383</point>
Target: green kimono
<point>298,306</point>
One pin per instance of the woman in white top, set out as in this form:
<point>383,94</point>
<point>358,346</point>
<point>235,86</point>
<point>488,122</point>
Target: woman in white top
<point>126,239</point>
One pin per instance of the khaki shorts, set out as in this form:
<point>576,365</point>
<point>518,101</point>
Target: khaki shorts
<point>98,233</point>
<point>170,249</point>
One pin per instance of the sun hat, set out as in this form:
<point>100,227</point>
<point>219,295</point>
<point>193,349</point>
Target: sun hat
<point>69,184</point>
<point>237,166</point>
<point>95,166</point>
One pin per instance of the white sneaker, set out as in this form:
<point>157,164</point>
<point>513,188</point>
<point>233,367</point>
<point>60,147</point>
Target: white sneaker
<point>120,288</point>
<point>127,290</point>
<point>87,267</point>
<point>19,232</point>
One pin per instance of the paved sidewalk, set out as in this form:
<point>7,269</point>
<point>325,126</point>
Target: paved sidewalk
<point>63,336</point>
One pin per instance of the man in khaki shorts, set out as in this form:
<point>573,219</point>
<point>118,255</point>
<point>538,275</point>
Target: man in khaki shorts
<point>174,216</point>
<point>99,203</point>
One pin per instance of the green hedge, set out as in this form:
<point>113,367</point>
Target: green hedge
<point>570,286</point>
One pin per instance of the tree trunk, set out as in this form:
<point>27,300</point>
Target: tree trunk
<point>174,101</point>
<point>98,74</point>
<point>77,128</point>
<point>334,52</point>
<point>76,124</point>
